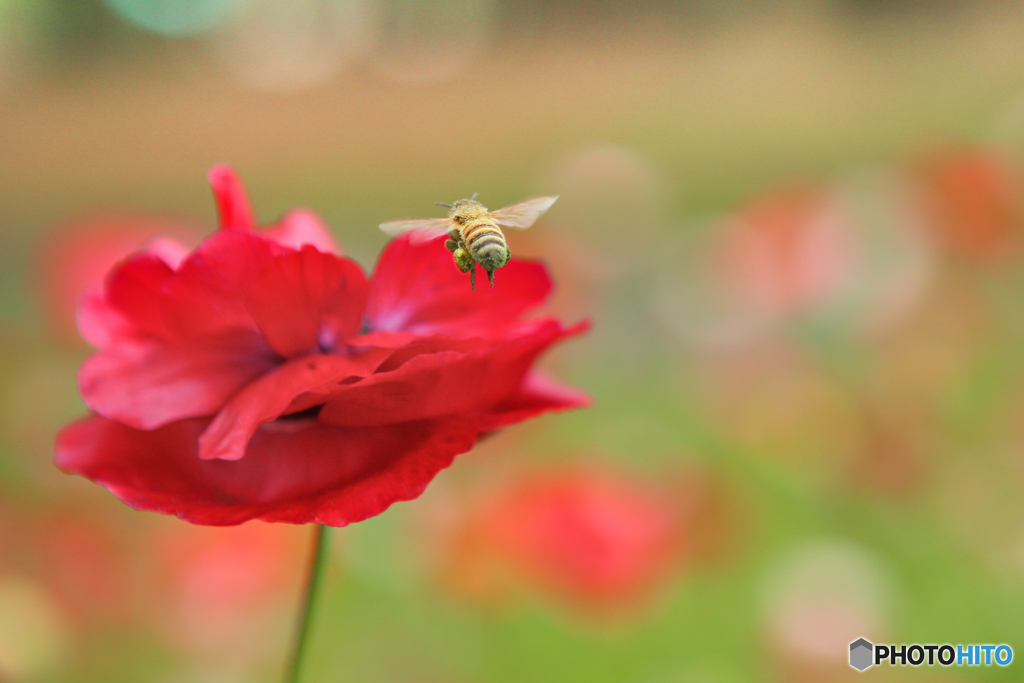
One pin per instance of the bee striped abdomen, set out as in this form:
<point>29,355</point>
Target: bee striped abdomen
<point>483,238</point>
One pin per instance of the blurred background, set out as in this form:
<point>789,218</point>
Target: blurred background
<point>797,226</point>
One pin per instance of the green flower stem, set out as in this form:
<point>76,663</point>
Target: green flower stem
<point>321,551</point>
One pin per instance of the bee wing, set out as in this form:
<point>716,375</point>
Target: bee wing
<point>523,214</point>
<point>423,229</point>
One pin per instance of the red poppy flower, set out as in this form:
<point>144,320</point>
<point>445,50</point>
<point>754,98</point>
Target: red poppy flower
<point>263,376</point>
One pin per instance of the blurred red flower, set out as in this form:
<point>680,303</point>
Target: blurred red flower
<point>99,586</point>
<point>786,252</point>
<point>262,376</point>
<point>217,588</point>
<point>974,196</point>
<point>593,538</point>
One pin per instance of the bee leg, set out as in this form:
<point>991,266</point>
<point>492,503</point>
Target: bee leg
<point>490,277</point>
<point>451,245</point>
<point>472,276</point>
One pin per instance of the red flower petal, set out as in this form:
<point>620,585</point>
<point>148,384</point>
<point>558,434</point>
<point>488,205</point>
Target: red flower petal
<point>448,382</point>
<point>174,344</point>
<point>293,472</point>
<point>300,227</point>
<point>232,203</point>
<point>170,251</point>
<point>146,383</point>
<point>305,298</point>
<point>292,387</point>
<point>100,324</point>
<point>77,256</point>
<point>417,287</point>
<point>133,288</point>
<point>206,295</point>
<point>384,340</point>
<point>537,394</point>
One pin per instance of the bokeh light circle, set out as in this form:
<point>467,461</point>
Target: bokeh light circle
<point>301,44</point>
<point>819,597</point>
<point>174,17</point>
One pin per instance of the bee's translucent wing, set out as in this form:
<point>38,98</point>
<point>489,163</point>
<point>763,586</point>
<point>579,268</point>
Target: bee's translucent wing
<point>422,229</point>
<point>523,214</point>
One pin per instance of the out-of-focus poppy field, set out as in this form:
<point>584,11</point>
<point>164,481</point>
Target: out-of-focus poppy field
<point>797,230</point>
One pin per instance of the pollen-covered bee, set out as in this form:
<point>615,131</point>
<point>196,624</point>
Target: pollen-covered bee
<point>473,232</point>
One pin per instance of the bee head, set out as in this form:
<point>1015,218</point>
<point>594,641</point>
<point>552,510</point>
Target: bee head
<point>465,210</point>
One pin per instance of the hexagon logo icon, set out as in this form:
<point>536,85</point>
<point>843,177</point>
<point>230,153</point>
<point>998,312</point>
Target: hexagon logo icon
<point>861,654</point>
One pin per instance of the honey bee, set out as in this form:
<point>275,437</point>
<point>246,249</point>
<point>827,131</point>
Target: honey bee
<point>473,232</point>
